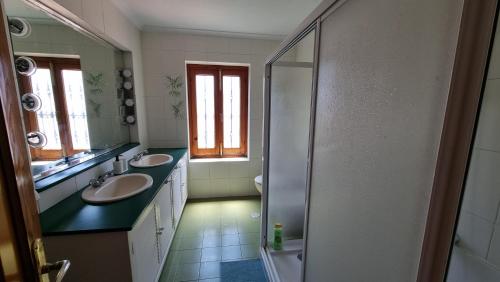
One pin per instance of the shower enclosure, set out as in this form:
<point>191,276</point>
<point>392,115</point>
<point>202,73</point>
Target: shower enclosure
<point>289,116</point>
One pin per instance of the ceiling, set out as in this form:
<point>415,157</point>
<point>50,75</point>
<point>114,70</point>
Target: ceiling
<point>252,17</point>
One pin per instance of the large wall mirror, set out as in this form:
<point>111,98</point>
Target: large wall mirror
<point>71,88</point>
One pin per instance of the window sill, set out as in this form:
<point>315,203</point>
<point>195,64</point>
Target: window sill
<point>219,160</point>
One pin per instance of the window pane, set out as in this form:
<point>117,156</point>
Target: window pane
<point>77,111</point>
<point>41,83</point>
<point>205,111</point>
<point>231,96</point>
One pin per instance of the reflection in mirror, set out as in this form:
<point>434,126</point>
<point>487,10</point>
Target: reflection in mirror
<point>290,104</point>
<point>70,89</point>
<point>475,255</point>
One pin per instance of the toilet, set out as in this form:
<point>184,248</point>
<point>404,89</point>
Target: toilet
<point>258,183</point>
<point>258,186</point>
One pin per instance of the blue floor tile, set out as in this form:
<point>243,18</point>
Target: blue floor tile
<point>242,271</point>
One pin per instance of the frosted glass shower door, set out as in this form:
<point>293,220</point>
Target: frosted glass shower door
<point>289,119</point>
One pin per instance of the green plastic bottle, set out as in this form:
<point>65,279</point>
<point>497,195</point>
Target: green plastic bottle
<point>278,236</point>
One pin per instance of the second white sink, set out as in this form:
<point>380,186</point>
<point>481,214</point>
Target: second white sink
<point>118,188</point>
<point>152,160</point>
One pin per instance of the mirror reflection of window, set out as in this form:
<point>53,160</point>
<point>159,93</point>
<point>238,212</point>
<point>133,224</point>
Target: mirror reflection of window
<point>63,116</point>
<point>77,112</point>
<point>46,121</point>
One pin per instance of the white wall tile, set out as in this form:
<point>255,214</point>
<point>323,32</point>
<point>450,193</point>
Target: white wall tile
<point>256,127</point>
<point>255,168</point>
<point>475,233</point>
<point>238,186</point>
<point>156,129</point>
<point>219,187</point>
<point>494,67</point>
<point>465,267</point>
<point>195,43</point>
<point>488,135</point>
<point>156,106</point>
<point>239,170</point>
<point>241,46</point>
<point>83,179</point>
<point>482,193</point>
<point>255,148</point>
<point>494,251</point>
<point>196,56</point>
<point>199,171</point>
<point>219,170</point>
<point>52,196</point>
<point>216,44</point>
<point>199,188</point>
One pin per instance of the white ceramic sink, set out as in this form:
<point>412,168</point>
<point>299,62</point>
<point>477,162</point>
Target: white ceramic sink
<point>118,188</point>
<point>152,160</point>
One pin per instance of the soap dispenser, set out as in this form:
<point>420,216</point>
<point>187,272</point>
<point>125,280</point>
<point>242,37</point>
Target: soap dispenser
<point>119,165</point>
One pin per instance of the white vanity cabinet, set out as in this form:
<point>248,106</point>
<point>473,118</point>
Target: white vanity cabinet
<point>176,195</point>
<point>164,220</point>
<point>179,189</point>
<point>137,255</point>
<point>183,169</point>
<point>154,232</point>
<point>143,247</point>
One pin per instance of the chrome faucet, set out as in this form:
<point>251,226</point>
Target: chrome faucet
<point>139,155</point>
<point>97,182</point>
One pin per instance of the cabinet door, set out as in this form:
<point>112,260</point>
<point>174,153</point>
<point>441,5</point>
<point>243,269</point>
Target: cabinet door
<point>177,195</point>
<point>183,169</point>
<point>144,248</point>
<point>164,219</point>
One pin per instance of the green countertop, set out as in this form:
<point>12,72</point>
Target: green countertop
<point>73,216</point>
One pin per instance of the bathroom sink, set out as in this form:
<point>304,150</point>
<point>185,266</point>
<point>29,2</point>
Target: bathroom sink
<point>152,160</point>
<point>118,188</point>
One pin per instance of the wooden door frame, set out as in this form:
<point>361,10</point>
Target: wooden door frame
<point>467,84</point>
<point>15,160</point>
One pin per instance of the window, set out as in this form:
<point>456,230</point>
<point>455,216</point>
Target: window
<point>63,116</point>
<point>218,110</point>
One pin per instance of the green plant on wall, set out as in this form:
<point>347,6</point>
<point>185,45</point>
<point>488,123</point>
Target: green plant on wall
<point>95,82</point>
<point>95,106</point>
<point>174,85</point>
<point>177,109</point>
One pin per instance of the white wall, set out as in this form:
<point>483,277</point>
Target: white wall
<point>165,54</point>
<point>105,19</point>
<point>384,75</point>
<point>477,256</point>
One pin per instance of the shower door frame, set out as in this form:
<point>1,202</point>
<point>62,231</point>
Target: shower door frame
<point>479,19</point>
<point>311,23</point>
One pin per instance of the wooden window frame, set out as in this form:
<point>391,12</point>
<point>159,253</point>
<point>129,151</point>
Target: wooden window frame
<point>218,71</point>
<point>56,66</point>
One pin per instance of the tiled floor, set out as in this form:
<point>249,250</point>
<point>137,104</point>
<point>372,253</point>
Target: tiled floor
<point>210,233</point>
